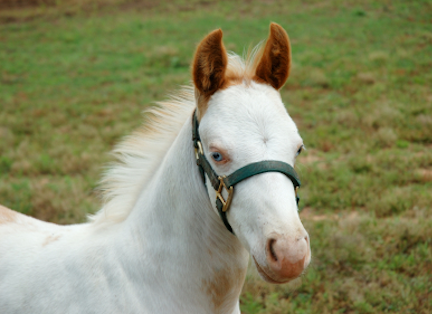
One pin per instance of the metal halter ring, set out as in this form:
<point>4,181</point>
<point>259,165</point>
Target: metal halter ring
<point>199,149</point>
<point>230,191</point>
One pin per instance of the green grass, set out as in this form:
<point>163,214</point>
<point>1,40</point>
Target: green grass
<point>74,78</point>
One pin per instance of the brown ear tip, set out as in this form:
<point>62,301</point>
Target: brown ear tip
<point>275,28</point>
<point>217,34</point>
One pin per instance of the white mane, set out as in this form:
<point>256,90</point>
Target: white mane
<point>140,154</point>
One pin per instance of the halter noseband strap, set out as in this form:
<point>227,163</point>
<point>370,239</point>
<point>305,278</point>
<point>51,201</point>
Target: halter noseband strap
<point>220,183</point>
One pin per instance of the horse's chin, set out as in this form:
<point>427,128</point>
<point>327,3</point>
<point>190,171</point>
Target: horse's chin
<point>268,276</point>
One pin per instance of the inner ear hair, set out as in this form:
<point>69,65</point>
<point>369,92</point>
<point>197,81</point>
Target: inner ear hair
<point>275,64</point>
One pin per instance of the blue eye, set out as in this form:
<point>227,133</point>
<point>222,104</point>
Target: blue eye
<point>217,156</point>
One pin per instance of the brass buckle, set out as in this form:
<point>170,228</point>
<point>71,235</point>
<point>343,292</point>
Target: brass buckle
<point>200,149</point>
<point>225,203</point>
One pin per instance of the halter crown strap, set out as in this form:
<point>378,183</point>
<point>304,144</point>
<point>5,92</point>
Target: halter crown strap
<point>220,183</point>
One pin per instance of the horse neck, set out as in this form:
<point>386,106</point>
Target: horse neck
<point>181,232</point>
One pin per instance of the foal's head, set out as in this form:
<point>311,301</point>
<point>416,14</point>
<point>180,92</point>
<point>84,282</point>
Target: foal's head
<point>243,120</point>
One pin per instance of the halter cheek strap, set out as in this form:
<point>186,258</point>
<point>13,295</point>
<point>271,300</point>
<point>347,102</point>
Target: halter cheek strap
<point>227,183</point>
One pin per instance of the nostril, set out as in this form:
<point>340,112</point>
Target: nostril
<point>286,257</point>
<point>270,247</point>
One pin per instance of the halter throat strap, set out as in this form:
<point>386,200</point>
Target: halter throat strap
<point>227,183</point>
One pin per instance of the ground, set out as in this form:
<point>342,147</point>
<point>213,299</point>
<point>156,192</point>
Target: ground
<point>75,75</point>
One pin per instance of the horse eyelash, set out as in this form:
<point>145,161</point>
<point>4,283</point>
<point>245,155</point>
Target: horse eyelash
<point>302,148</point>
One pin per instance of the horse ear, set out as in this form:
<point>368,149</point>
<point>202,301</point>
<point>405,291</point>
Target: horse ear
<point>275,64</point>
<point>209,65</point>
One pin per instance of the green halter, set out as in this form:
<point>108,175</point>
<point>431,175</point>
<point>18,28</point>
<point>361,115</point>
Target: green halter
<point>227,182</point>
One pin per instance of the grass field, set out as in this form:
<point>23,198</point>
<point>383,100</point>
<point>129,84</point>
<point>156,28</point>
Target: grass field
<point>75,76</point>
